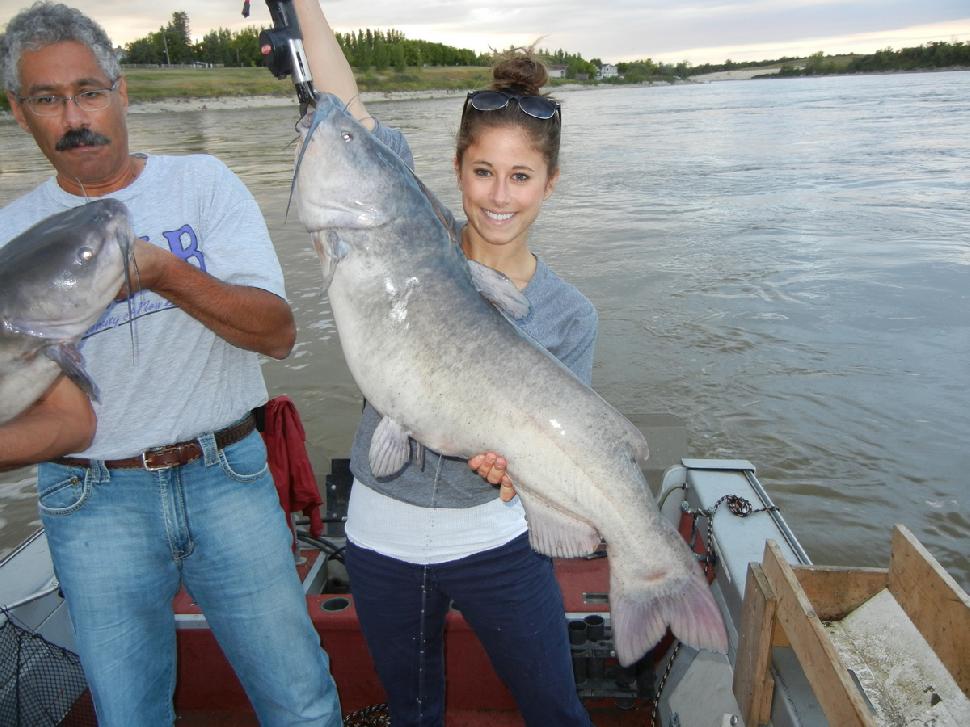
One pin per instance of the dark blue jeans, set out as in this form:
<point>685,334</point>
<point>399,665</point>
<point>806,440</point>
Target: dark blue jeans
<point>510,597</point>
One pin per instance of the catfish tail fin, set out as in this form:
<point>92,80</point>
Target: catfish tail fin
<point>685,606</point>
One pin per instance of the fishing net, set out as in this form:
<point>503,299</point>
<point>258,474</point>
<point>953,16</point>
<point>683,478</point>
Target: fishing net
<point>41,684</point>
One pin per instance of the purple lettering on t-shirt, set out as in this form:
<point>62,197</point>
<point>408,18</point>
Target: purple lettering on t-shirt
<point>143,304</point>
<point>175,244</point>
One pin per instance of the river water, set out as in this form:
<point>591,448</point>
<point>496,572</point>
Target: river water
<point>785,265</point>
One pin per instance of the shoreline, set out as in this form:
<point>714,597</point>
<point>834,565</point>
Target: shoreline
<point>241,103</point>
<point>237,103</point>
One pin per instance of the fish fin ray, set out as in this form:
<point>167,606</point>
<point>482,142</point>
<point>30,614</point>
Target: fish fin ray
<point>418,454</point>
<point>69,358</point>
<point>389,448</point>
<point>557,533</point>
<point>499,290</point>
<point>640,619</point>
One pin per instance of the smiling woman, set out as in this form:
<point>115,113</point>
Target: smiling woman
<point>422,536</point>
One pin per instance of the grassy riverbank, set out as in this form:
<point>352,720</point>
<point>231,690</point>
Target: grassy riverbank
<point>152,84</point>
<point>157,84</point>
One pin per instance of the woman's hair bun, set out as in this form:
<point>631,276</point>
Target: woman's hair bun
<point>519,72</point>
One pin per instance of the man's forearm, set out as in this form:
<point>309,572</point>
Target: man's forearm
<point>247,317</point>
<point>60,423</point>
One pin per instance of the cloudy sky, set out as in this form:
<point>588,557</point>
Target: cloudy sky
<point>699,31</point>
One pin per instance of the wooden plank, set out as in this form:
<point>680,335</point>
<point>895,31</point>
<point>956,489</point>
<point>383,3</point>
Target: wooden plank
<point>836,693</point>
<point>778,637</point>
<point>836,592</point>
<point>934,602</point>
<point>753,685</point>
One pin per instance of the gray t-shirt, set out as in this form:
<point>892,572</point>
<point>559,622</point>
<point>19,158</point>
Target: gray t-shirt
<point>561,320</point>
<point>183,380</point>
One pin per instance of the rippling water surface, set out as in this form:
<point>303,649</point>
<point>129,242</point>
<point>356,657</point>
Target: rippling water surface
<point>783,264</point>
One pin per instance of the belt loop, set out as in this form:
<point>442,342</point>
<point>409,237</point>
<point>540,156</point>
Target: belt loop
<point>210,452</point>
<point>99,472</point>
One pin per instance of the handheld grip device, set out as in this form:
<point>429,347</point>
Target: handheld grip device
<point>282,48</point>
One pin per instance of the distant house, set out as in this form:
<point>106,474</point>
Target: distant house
<point>556,71</point>
<point>608,70</point>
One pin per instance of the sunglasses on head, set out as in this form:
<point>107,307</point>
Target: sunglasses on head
<point>538,107</point>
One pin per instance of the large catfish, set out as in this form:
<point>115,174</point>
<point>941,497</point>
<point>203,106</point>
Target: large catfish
<point>425,342</point>
<point>56,279</point>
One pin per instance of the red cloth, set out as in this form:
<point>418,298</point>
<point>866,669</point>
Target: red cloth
<point>289,464</point>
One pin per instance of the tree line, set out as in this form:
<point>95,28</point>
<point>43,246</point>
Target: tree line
<point>922,57</point>
<point>381,50</point>
<point>172,44</point>
<point>364,49</point>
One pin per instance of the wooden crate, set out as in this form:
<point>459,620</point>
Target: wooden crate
<point>785,605</point>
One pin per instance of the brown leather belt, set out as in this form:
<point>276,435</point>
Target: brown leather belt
<point>171,455</point>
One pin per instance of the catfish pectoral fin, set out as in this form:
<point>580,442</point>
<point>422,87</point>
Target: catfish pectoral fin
<point>69,358</point>
<point>499,290</point>
<point>389,448</point>
<point>556,533</point>
<point>331,250</point>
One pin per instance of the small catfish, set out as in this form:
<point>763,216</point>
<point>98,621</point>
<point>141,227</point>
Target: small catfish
<point>56,280</point>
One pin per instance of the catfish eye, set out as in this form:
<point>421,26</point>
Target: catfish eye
<point>346,136</point>
<point>85,255</point>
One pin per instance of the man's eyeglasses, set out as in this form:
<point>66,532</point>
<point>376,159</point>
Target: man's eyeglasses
<point>48,105</point>
<point>538,107</point>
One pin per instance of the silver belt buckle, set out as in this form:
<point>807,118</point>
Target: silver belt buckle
<point>144,460</point>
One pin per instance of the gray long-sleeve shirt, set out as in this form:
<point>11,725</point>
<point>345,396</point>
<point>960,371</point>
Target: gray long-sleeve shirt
<point>561,320</point>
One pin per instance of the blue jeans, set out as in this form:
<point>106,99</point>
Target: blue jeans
<point>123,540</point>
<point>508,595</point>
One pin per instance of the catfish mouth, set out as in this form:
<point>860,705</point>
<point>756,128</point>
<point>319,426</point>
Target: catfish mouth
<point>77,311</point>
<point>334,215</point>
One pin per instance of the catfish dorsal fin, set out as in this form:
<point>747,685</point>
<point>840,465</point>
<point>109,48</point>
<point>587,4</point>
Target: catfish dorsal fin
<point>441,212</point>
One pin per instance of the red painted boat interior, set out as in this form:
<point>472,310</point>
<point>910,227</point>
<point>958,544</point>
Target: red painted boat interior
<point>209,694</point>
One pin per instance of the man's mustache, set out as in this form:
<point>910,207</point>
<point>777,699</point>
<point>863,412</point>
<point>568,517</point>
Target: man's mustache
<point>81,137</point>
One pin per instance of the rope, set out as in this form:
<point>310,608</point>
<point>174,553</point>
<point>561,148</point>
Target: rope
<point>737,506</point>
<point>376,715</point>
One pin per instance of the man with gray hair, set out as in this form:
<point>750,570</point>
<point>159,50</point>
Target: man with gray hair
<point>173,486</point>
